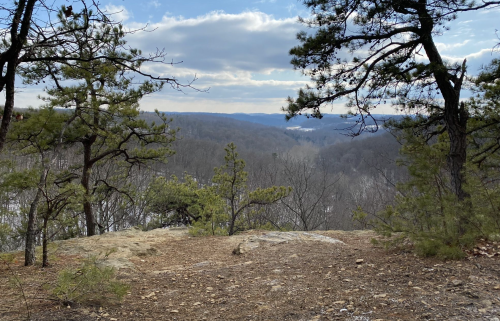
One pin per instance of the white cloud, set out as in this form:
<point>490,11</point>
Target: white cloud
<point>266,106</point>
<point>221,42</point>
<point>444,47</point>
<point>117,13</point>
<point>154,4</point>
<point>235,55</point>
<point>474,60</point>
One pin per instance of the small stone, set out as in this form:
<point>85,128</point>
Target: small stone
<point>457,283</point>
<point>359,261</point>
<point>339,302</point>
<point>293,256</point>
<point>197,303</point>
<point>486,303</point>
<point>378,296</point>
<point>174,311</point>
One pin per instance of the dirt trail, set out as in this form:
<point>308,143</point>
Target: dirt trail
<point>177,277</point>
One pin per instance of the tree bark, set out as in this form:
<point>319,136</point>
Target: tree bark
<point>45,255</point>
<point>455,115</point>
<point>87,206</point>
<point>29,251</point>
<point>10,57</point>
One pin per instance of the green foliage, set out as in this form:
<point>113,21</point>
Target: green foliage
<point>361,217</point>
<point>230,183</point>
<point>433,247</point>
<point>104,119</point>
<point>427,211</point>
<point>213,217</point>
<point>88,283</point>
<point>221,209</point>
<point>186,202</point>
<point>372,75</point>
<point>6,233</point>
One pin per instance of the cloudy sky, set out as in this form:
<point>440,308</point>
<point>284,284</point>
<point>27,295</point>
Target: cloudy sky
<point>239,49</point>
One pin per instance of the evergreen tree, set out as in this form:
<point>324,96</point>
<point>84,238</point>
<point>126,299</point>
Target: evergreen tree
<point>35,31</point>
<point>40,134</point>
<point>104,105</point>
<point>188,203</point>
<point>384,39</point>
<point>231,185</point>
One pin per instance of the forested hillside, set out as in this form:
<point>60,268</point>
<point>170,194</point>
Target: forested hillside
<point>89,161</point>
<point>327,180</point>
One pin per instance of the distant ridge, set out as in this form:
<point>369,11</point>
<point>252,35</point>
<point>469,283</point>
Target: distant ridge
<point>332,121</point>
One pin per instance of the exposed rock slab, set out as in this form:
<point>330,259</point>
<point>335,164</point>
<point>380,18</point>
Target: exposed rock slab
<point>272,238</point>
<point>116,248</point>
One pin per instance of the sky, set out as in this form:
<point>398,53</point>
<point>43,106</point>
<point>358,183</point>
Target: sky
<point>238,51</point>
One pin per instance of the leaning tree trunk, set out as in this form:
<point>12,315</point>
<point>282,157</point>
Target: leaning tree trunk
<point>9,103</point>
<point>455,114</point>
<point>19,29</point>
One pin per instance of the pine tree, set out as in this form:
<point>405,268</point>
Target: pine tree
<point>231,185</point>
<point>384,39</point>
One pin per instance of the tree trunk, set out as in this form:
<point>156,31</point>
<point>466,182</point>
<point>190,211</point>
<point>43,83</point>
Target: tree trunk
<point>29,252</point>
<point>455,115</point>
<point>456,123</point>
<point>233,214</point>
<point>87,206</point>
<point>11,57</point>
<point>9,102</point>
<point>45,256</point>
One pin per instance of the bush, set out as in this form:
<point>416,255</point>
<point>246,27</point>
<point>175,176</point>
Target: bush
<point>427,211</point>
<point>6,235</point>
<point>88,283</point>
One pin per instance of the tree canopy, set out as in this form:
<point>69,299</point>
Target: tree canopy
<point>376,52</point>
<point>35,31</point>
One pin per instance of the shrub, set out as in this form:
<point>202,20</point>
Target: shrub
<point>90,282</point>
<point>427,211</point>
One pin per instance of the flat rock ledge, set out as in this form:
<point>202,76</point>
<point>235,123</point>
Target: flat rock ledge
<point>274,238</point>
<point>115,249</point>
